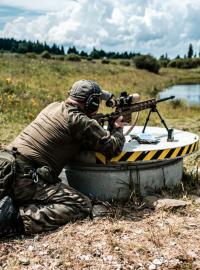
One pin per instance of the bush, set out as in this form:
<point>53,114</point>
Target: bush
<point>73,57</point>
<point>105,61</point>
<point>147,62</point>
<point>124,63</point>
<point>172,64</point>
<point>185,63</point>
<point>46,55</point>
<point>164,62</point>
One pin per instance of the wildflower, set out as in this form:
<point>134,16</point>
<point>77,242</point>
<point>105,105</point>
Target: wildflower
<point>8,80</point>
<point>10,98</point>
<point>33,102</point>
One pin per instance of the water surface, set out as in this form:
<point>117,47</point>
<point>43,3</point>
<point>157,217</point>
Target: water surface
<point>187,92</point>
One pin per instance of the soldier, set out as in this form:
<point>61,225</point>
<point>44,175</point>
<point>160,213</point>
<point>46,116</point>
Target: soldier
<point>41,202</point>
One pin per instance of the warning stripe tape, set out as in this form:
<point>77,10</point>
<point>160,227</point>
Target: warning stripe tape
<point>149,155</point>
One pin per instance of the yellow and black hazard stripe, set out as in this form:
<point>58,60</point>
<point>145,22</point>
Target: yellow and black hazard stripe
<point>169,153</point>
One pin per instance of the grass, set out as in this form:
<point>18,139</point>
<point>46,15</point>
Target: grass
<point>27,85</point>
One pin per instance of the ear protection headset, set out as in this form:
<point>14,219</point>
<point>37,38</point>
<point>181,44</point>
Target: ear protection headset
<point>92,101</point>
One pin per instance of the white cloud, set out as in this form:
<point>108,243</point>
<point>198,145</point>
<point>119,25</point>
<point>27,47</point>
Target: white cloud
<point>44,5</point>
<point>146,26</point>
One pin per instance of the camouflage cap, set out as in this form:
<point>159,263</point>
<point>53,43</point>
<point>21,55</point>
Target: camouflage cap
<point>80,90</point>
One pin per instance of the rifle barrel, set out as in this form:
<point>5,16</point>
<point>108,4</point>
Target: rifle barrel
<point>164,99</point>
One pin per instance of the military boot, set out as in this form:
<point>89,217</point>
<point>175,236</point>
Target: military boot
<point>11,223</point>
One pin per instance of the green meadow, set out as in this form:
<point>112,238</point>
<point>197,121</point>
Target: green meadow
<point>28,84</point>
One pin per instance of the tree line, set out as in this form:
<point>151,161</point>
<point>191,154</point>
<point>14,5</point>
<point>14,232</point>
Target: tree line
<point>23,46</point>
<point>190,60</point>
<point>99,54</point>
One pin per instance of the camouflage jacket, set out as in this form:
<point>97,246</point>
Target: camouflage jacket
<point>58,134</point>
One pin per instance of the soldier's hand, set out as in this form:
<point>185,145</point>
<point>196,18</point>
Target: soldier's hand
<point>119,123</point>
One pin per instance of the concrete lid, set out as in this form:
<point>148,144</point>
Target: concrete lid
<point>184,143</point>
<point>181,138</point>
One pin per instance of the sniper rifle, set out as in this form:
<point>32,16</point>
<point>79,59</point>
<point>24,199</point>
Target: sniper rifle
<point>124,106</point>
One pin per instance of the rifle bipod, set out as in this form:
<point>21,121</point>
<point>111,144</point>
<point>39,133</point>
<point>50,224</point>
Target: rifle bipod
<point>169,130</point>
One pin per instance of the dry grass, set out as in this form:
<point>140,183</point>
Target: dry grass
<point>138,240</point>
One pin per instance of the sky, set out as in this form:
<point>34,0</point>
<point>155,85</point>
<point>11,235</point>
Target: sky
<point>145,26</point>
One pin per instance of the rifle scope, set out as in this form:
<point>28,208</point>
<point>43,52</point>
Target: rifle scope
<point>123,100</point>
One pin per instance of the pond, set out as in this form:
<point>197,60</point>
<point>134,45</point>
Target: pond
<point>189,93</point>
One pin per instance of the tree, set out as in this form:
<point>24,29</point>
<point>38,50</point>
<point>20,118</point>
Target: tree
<point>54,49</point>
<point>102,54</point>
<point>72,50</point>
<point>46,47</point>
<point>22,47</point>
<point>190,51</point>
<point>83,54</point>
<point>38,47</point>
<point>162,57</point>
<point>62,50</point>
<point>95,54</point>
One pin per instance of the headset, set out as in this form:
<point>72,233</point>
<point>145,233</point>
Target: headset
<point>92,101</point>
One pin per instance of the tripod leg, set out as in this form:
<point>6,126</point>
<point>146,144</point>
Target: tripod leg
<point>170,131</point>
<point>147,120</point>
<point>162,120</point>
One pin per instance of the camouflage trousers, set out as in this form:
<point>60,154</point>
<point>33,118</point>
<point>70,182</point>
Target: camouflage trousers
<point>45,206</point>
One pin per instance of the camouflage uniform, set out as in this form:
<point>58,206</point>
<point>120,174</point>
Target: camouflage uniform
<point>52,140</point>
